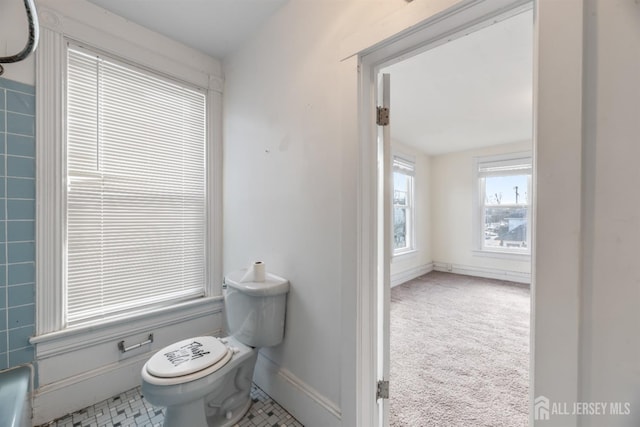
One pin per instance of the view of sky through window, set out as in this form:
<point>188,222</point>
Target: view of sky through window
<point>506,190</point>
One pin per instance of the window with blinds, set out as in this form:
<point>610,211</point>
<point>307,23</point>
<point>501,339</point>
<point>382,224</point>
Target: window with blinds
<point>403,196</point>
<point>135,213</point>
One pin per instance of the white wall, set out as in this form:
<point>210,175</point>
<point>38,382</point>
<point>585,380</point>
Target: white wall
<point>408,266</point>
<point>280,74</point>
<point>77,369</point>
<point>452,188</point>
<point>290,157</point>
<point>610,347</point>
<point>14,32</point>
<point>290,71</point>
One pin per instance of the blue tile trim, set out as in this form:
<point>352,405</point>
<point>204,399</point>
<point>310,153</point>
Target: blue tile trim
<point>3,275</point>
<point>21,295</point>
<point>21,316</point>
<point>21,231</point>
<point>20,145</point>
<point>3,319</point>
<point>21,252</point>
<point>19,102</point>
<point>21,209</point>
<point>17,86</point>
<point>20,188</point>
<point>20,124</point>
<point>19,337</point>
<point>21,273</point>
<point>21,356</point>
<point>24,167</point>
<point>17,246</point>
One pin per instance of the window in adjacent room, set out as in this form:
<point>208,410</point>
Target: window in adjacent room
<point>136,189</point>
<point>504,184</point>
<point>403,205</point>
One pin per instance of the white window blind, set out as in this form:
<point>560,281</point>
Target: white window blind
<point>135,188</point>
<point>403,166</point>
<point>403,196</point>
<point>505,167</point>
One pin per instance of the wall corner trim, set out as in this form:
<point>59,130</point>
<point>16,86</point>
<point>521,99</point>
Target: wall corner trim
<point>410,274</point>
<point>304,402</point>
<point>487,273</point>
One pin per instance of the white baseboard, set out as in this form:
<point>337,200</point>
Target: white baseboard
<point>301,400</point>
<point>58,399</point>
<point>83,389</point>
<point>489,273</point>
<point>404,276</point>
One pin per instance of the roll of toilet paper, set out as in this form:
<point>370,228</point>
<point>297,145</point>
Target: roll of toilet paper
<point>259,271</point>
<point>255,273</point>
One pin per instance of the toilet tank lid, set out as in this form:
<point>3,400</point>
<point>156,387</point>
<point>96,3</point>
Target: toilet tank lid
<point>272,285</point>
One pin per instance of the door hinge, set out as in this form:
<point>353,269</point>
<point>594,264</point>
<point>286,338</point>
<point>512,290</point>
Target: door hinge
<point>382,116</point>
<point>382,391</point>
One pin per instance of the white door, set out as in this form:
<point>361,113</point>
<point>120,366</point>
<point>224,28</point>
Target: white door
<point>385,249</point>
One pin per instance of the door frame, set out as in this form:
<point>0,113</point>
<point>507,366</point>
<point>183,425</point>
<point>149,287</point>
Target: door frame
<point>553,368</point>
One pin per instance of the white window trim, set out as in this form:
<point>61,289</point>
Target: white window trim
<point>110,35</point>
<point>478,248</point>
<point>405,255</point>
<point>412,248</point>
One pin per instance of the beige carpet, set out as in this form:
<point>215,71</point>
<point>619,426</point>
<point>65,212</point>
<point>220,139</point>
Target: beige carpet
<point>459,352</point>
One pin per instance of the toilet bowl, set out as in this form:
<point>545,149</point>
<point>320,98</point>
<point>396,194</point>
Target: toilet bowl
<point>205,381</point>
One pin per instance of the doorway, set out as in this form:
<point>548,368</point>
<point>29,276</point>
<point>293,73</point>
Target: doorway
<point>461,140</point>
<point>386,59</point>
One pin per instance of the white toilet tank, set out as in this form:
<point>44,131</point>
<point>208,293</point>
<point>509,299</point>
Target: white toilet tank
<point>255,311</point>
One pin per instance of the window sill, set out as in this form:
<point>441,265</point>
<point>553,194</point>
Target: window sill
<point>404,255</point>
<point>86,335</point>
<point>502,254</point>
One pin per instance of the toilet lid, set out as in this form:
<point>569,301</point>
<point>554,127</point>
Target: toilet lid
<point>186,357</point>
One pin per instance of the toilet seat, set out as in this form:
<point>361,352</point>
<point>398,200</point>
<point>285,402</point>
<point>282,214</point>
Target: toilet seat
<point>187,360</point>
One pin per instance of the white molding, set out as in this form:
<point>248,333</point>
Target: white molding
<point>477,206</point>
<point>116,35</point>
<point>96,373</point>
<point>557,260</point>
<point>304,402</point>
<point>80,366</point>
<point>71,394</point>
<point>216,83</point>
<point>421,25</point>
<point>487,273</point>
<point>367,261</point>
<point>215,193</point>
<point>71,340</point>
<point>410,274</point>
<point>391,27</point>
<point>146,48</point>
<point>404,256</point>
<point>50,182</point>
<point>513,256</point>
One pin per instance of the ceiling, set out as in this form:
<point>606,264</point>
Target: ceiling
<point>473,92</point>
<point>215,27</point>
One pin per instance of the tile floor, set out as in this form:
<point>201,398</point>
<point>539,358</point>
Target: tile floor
<point>130,409</point>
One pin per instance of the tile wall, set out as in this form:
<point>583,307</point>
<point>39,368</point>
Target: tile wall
<point>17,225</point>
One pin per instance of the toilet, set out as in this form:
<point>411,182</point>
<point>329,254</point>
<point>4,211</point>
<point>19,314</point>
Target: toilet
<point>205,381</point>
